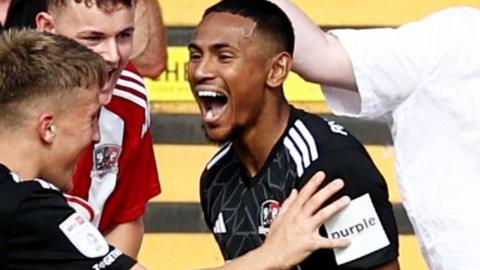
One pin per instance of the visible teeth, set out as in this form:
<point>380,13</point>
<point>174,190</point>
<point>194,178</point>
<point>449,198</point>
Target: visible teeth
<point>207,93</point>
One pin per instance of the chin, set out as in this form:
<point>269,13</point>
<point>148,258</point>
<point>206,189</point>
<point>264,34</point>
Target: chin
<point>216,136</point>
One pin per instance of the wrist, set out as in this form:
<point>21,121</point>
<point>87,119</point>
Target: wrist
<point>269,259</point>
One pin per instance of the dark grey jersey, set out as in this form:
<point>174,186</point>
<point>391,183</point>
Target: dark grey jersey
<point>239,209</point>
<point>38,230</point>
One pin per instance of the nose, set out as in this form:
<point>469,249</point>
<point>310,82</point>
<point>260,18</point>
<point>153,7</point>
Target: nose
<point>202,69</point>
<point>110,51</point>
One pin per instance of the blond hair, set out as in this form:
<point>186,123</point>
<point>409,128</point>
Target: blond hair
<point>35,65</point>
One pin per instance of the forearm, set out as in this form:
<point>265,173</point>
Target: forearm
<point>129,245</point>
<point>149,40</point>
<point>318,57</point>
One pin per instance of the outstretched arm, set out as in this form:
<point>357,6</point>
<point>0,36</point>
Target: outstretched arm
<point>129,245</point>
<point>294,232</point>
<point>149,39</point>
<point>318,57</point>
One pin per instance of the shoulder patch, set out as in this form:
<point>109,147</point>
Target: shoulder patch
<point>84,236</point>
<point>360,223</point>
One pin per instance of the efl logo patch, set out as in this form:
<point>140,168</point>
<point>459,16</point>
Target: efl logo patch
<point>269,211</point>
<point>105,159</point>
<point>84,236</point>
<point>358,222</point>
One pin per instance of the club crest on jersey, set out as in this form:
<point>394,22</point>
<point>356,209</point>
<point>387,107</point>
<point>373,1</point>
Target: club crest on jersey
<point>105,159</point>
<point>268,212</point>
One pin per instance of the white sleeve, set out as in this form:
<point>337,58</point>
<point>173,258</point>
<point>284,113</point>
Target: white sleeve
<point>391,64</point>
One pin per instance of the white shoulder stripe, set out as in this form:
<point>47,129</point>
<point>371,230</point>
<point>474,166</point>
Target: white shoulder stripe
<point>45,184</point>
<point>312,146</point>
<point>140,102</point>
<point>15,177</point>
<point>135,86</point>
<point>295,155</point>
<point>133,98</point>
<point>301,145</point>
<point>132,75</point>
<point>219,156</point>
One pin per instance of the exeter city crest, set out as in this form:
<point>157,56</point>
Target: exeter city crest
<point>268,212</point>
<point>105,159</point>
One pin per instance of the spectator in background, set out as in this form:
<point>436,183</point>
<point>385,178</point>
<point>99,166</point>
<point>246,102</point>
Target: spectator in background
<point>149,39</point>
<point>423,78</point>
<point>149,43</point>
<point>20,13</point>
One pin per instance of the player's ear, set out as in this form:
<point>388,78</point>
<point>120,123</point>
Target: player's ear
<point>46,128</point>
<point>279,69</point>
<point>45,22</point>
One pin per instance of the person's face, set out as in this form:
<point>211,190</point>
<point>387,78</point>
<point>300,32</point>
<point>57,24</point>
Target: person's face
<point>108,34</point>
<point>227,72</point>
<point>75,128</point>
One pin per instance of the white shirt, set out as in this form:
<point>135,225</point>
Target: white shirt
<point>424,80</point>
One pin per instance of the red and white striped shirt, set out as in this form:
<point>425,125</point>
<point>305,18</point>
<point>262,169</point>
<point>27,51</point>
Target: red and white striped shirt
<point>118,175</point>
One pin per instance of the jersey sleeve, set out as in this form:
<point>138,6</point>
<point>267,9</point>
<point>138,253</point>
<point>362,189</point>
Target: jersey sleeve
<point>361,176</point>
<point>140,172</point>
<point>47,234</point>
<point>139,181</point>
<point>204,199</point>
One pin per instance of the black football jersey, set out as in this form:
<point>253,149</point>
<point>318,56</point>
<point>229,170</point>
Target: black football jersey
<point>38,230</point>
<point>239,209</point>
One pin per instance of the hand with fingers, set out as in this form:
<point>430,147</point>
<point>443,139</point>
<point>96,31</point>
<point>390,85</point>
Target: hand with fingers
<point>294,234</point>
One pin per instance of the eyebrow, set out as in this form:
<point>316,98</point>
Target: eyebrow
<point>91,32</point>
<point>131,28</point>
<point>214,47</point>
<point>99,33</point>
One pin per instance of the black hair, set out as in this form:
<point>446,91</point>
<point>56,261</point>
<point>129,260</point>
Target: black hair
<point>270,19</point>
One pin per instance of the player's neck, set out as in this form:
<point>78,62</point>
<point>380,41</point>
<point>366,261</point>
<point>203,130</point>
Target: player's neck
<point>20,158</point>
<point>255,145</point>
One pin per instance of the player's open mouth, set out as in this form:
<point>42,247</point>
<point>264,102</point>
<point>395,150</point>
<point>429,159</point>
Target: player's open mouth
<point>213,104</point>
<point>111,72</point>
<point>110,81</point>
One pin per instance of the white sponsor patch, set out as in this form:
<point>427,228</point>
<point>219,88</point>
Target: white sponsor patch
<point>358,222</point>
<point>84,236</point>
